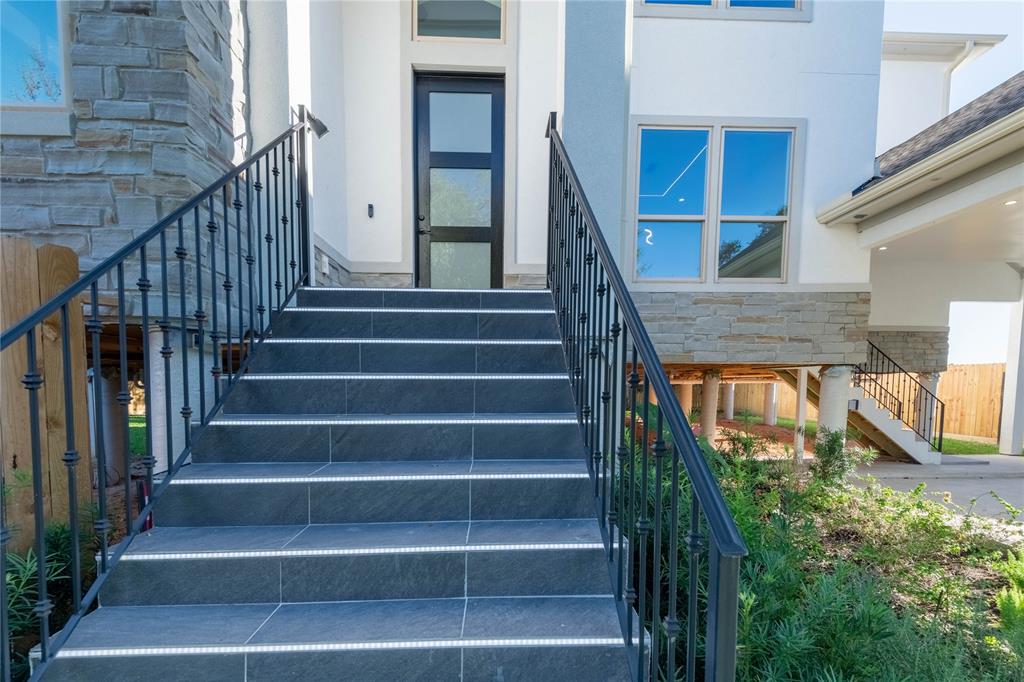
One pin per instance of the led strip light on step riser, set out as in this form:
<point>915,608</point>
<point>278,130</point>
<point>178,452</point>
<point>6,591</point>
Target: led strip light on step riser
<point>398,421</point>
<point>401,290</point>
<point>462,311</point>
<point>406,377</point>
<point>377,479</point>
<point>425,342</point>
<point>359,551</point>
<point>345,646</point>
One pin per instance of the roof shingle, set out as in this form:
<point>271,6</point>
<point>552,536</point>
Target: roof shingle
<point>997,103</point>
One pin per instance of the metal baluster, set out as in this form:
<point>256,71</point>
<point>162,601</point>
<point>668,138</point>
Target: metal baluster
<point>166,351</point>
<point>659,450</point>
<point>144,286</point>
<point>291,205</point>
<point>269,239</point>
<point>694,545</point>
<point>215,370</point>
<point>100,523</point>
<point>260,307</point>
<point>186,410</point>
<point>643,526</point>
<point>604,375</point>
<point>277,233</point>
<point>631,593</point>
<point>672,619</point>
<point>70,459</point>
<point>200,317</point>
<point>283,217</point>
<point>33,381</point>
<point>228,286</point>
<point>250,260</point>
<point>616,517</point>
<point>123,396</point>
<point>236,203</point>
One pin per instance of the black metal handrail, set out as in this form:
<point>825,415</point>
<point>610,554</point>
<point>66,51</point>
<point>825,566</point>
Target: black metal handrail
<point>637,437</point>
<point>894,388</point>
<point>264,198</point>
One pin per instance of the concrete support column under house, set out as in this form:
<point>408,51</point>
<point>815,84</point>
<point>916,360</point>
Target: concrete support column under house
<point>834,399</point>
<point>729,401</point>
<point>685,394</point>
<point>801,414</point>
<point>771,392</point>
<point>113,419</point>
<point>1011,426</point>
<point>709,403</point>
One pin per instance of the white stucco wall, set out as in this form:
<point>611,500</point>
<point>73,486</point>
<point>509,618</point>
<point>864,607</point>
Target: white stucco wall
<point>931,286</point>
<point>354,62</point>
<point>824,71</point>
<point>911,97</point>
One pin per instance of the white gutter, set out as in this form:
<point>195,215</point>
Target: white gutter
<point>948,76</point>
<point>844,208</point>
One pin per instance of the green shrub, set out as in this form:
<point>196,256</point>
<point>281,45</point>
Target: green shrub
<point>833,460</point>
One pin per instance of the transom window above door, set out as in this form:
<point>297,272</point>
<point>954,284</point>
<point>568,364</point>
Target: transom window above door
<point>722,186</point>
<point>458,19</point>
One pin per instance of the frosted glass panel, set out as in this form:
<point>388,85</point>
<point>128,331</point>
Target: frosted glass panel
<point>460,197</point>
<point>460,265</point>
<point>460,122</point>
<point>459,18</point>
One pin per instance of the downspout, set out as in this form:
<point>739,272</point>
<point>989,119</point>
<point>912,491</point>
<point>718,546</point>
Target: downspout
<point>948,78</point>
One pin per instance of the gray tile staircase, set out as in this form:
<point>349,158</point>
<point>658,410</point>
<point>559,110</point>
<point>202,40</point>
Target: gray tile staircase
<point>396,491</point>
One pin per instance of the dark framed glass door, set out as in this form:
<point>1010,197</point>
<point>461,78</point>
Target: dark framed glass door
<point>460,141</point>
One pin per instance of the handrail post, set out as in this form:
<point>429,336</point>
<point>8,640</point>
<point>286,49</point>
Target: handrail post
<point>306,243</point>
<point>723,606</point>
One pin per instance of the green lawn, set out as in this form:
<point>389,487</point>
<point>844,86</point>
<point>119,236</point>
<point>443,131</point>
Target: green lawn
<point>137,433</point>
<point>955,446</point>
<point>810,426</point>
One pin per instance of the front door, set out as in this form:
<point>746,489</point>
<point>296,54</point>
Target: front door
<point>460,140</point>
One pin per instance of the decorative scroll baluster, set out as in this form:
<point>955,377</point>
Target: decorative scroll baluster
<point>215,370</point>
<point>100,523</point>
<point>166,351</point>
<point>186,410</point>
<point>144,286</point>
<point>33,381</point>
<point>123,396</point>
<point>70,458</point>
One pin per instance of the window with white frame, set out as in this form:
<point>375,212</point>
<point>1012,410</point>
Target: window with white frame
<point>31,54</point>
<point>744,212</point>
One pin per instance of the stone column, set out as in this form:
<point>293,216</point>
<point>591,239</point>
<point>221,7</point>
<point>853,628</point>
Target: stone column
<point>925,405</point>
<point>834,398</point>
<point>112,415</point>
<point>685,394</point>
<point>770,412</point>
<point>1011,425</point>
<point>709,404</point>
<point>801,414</point>
<point>729,401</point>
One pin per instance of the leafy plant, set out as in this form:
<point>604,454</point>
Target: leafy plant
<point>833,459</point>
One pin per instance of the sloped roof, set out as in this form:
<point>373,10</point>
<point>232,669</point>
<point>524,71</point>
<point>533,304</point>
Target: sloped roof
<point>997,103</point>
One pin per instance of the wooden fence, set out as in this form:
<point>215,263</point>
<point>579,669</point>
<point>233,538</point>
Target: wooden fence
<point>31,276</point>
<point>750,397</point>
<point>973,395</point>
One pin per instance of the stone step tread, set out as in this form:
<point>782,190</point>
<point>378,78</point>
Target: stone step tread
<point>318,471</point>
<point>209,542</point>
<point>114,630</point>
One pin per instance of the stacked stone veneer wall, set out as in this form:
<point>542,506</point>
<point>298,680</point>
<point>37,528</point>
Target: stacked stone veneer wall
<point>780,328</point>
<point>153,121</point>
<point>915,350</point>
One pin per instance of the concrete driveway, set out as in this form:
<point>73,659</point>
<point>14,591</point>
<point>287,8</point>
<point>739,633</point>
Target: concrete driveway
<point>964,477</point>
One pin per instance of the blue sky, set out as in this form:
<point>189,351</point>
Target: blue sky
<point>26,26</point>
